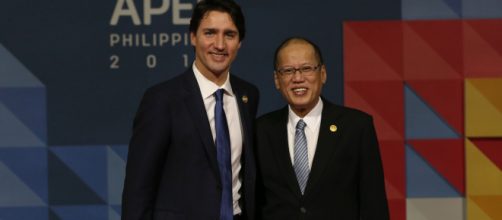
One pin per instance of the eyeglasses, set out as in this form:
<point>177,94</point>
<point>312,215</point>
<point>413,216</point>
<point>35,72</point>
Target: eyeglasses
<point>306,70</point>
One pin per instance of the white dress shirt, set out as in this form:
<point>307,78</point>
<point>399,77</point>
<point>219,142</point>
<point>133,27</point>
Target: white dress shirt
<point>207,90</point>
<point>313,121</point>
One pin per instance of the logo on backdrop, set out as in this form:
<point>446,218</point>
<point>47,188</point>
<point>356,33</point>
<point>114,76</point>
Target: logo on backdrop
<point>134,24</point>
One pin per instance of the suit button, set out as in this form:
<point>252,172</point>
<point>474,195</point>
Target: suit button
<point>303,210</point>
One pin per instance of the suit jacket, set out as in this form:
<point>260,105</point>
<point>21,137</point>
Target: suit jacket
<point>346,179</point>
<point>172,170</point>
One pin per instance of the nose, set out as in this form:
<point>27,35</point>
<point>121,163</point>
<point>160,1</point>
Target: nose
<point>220,42</point>
<point>298,76</point>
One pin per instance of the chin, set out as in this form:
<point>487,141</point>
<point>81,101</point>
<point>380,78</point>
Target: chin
<point>299,105</point>
<point>220,67</point>
<point>218,70</point>
<point>300,101</point>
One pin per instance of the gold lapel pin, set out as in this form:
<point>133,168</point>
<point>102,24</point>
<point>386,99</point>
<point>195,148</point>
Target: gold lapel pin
<point>245,99</point>
<point>333,128</point>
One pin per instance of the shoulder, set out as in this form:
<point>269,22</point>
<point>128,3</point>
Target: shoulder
<point>276,117</point>
<point>345,114</point>
<point>164,94</point>
<point>243,85</point>
<point>170,85</point>
<point>353,112</point>
<point>269,125</point>
<point>246,89</point>
<point>173,88</point>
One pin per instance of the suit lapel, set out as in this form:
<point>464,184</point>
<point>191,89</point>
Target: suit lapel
<point>281,151</point>
<point>243,112</point>
<point>326,145</point>
<point>197,111</point>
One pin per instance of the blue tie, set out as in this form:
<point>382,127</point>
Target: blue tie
<point>223,156</point>
<point>301,160</point>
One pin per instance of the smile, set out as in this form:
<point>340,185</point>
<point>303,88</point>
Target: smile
<point>299,91</point>
<point>218,54</point>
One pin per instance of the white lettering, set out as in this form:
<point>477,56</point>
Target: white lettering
<point>151,61</point>
<point>137,38</point>
<point>144,41</point>
<point>177,7</point>
<point>130,11</point>
<point>185,60</point>
<point>154,40</point>
<point>186,39</point>
<point>175,38</point>
<point>149,11</point>
<point>127,40</point>
<point>164,38</point>
<point>114,39</point>
<point>149,39</point>
<point>115,62</point>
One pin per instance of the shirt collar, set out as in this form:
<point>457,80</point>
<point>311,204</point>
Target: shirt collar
<point>312,118</point>
<point>207,87</point>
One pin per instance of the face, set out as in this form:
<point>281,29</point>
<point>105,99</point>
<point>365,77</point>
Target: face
<point>216,43</point>
<point>302,92</point>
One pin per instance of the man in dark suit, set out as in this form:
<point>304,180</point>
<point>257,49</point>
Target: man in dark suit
<point>190,156</point>
<point>316,160</point>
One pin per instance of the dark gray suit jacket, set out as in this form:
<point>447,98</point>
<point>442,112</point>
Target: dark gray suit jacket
<point>172,170</point>
<point>346,179</point>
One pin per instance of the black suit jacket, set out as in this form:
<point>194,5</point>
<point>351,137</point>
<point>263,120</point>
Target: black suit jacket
<point>346,179</point>
<point>172,170</point>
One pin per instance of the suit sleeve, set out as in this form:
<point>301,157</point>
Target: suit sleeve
<point>373,199</point>
<point>260,142</point>
<point>147,149</point>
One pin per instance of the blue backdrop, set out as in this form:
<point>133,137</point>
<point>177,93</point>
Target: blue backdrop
<point>72,74</point>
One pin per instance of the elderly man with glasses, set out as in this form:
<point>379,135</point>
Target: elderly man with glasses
<point>316,160</point>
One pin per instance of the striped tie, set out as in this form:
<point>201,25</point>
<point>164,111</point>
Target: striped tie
<point>301,160</point>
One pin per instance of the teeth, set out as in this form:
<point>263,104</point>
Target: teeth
<point>300,89</point>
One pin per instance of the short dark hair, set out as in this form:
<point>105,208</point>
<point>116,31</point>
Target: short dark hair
<point>227,6</point>
<point>286,42</point>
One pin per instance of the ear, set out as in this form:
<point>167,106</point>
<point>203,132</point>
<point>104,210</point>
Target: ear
<point>276,81</point>
<point>323,74</point>
<point>193,39</point>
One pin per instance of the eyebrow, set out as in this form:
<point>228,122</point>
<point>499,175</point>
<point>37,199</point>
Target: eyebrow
<point>216,30</point>
<point>209,29</point>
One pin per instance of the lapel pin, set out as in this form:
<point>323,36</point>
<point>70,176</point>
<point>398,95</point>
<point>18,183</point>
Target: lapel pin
<point>333,128</point>
<point>245,99</point>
